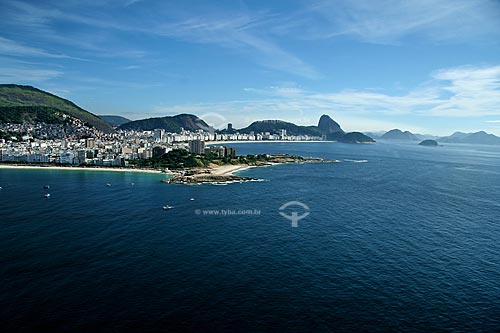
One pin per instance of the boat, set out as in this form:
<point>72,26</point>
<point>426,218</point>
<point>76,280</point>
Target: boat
<point>192,199</point>
<point>47,195</point>
<point>167,207</point>
<point>46,187</point>
<point>108,184</point>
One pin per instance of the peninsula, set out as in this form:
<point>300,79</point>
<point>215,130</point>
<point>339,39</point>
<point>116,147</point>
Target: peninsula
<point>188,168</point>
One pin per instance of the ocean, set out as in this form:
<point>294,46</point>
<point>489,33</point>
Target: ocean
<point>395,238</point>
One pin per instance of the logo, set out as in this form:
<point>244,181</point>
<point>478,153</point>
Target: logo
<point>294,216</point>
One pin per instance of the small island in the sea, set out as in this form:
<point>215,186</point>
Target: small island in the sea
<point>429,143</point>
<point>189,168</point>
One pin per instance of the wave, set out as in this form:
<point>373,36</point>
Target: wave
<point>355,161</point>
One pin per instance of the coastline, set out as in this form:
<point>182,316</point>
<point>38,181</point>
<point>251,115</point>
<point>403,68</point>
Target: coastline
<point>68,168</point>
<point>263,141</point>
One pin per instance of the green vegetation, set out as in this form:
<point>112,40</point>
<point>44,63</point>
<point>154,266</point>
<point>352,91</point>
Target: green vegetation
<point>9,135</point>
<point>180,158</point>
<point>30,114</point>
<point>20,104</point>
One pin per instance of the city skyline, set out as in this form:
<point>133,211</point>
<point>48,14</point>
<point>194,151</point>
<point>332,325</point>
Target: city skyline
<point>424,66</point>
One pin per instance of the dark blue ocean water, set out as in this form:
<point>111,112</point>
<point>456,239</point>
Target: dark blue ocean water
<point>408,241</point>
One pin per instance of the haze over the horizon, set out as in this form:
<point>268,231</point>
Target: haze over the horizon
<point>419,65</point>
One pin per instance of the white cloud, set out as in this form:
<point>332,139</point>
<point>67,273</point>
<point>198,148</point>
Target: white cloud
<point>389,21</point>
<point>10,47</point>
<point>25,75</point>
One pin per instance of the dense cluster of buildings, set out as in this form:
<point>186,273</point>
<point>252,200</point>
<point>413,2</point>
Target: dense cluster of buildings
<point>42,143</point>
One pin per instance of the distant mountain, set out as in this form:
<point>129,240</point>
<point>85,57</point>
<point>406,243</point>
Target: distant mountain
<point>274,126</point>
<point>397,134</point>
<point>472,138</point>
<point>26,104</point>
<point>327,125</point>
<point>170,124</point>
<point>114,120</point>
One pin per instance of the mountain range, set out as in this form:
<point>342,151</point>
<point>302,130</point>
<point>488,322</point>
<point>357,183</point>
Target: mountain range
<point>397,134</point>
<point>472,138</point>
<point>326,127</point>
<point>458,137</point>
<point>26,104</point>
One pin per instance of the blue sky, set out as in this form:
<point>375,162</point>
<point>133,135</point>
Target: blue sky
<point>429,66</point>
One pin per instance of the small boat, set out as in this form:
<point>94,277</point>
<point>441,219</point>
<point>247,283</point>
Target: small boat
<point>108,184</point>
<point>192,199</point>
<point>47,195</point>
<point>46,187</point>
<point>167,207</point>
<point>132,184</point>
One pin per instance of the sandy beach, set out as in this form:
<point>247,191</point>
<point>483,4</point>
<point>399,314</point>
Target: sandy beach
<point>13,166</point>
<point>228,170</point>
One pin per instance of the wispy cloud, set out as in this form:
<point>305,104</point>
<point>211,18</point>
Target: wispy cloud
<point>390,21</point>
<point>239,34</point>
<point>10,47</point>
<point>23,75</point>
<point>243,33</point>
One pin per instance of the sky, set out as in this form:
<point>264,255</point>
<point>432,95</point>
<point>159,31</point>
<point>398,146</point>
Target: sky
<point>428,66</point>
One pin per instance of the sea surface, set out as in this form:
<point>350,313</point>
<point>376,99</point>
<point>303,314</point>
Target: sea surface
<point>399,238</point>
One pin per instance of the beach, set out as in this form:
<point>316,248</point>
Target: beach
<point>68,168</point>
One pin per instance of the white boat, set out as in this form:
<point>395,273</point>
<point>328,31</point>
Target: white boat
<point>47,195</point>
<point>192,199</point>
<point>167,207</point>
<point>108,184</point>
<point>46,187</point>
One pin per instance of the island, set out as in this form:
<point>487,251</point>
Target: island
<point>189,168</point>
<point>429,143</point>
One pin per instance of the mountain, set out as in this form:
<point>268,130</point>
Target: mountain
<point>26,104</point>
<point>170,124</point>
<point>274,126</point>
<point>397,134</point>
<point>355,137</point>
<point>114,120</point>
<point>472,138</point>
<point>327,125</point>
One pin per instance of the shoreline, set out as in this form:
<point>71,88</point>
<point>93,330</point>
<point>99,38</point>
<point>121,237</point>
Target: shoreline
<point>263,141</point>
<point>68,168</point>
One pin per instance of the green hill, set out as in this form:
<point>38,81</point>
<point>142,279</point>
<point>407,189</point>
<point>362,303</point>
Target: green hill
<point>26,104</point>
<point>171,124</point>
